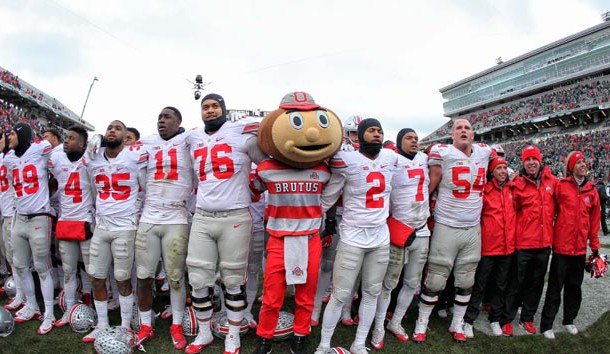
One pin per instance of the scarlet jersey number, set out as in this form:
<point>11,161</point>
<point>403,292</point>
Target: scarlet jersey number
<point>419,174</point>
<point>113,188</point>
<point>222,165</point>
<point>4,183</point>
<point>478,185</point>
<point>30,181</point>
<point>73,188</point>
<point>173,165</point>
<point>371,202</point>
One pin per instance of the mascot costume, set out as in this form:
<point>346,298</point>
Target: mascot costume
<point>299,136</point>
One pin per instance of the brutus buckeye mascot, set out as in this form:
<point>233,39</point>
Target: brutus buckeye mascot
<point>299,135</point>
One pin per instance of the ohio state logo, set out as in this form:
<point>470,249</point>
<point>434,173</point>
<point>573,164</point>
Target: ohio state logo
<point>297,271</point>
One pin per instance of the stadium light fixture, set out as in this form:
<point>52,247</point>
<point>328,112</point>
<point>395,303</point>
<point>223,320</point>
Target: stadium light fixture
<point>87,99</point>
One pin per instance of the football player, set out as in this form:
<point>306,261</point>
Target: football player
<point>31,229</point>
<point>163,229</point>
<point>7,207</point>
<point>73,230</point>
<point>459,171</point>
<point>365,177</point>
<point>118,172</point>
<point>222,153</point>
<point>409,234</point>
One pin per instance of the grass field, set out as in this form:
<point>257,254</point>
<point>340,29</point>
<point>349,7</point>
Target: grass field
<point>63,340</point>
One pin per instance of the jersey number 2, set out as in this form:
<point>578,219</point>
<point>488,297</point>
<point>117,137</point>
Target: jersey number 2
<point>371,202</point>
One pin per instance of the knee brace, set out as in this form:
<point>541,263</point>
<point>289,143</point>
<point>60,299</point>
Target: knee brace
<point>462,296</point>
<point>203,303</point>
<point>429,297</point>
<point>235,302</point>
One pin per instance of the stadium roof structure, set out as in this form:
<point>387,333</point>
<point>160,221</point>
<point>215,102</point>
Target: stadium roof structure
<point>546,48</point>
<point>26,95</point>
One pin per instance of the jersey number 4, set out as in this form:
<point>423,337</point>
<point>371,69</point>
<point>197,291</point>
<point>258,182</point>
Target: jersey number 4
<point>73,189</point>
<point>222,166</point>
<point>464,184</point>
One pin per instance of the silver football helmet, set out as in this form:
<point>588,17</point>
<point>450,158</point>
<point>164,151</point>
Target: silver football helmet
<point>337,350</point>
<point>115,340</point>
<point>351,126</point>
<point>283,329</point>
<point>82,318</point>
<point>190,326</point>
<point>220,325</point>
<point>7,324</point>
<point>10,289</point>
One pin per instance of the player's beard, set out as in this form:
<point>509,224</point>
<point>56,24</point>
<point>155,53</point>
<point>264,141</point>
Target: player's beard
<point>114,143</point>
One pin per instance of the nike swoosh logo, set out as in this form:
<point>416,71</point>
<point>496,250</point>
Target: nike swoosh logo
<point>236,226</point>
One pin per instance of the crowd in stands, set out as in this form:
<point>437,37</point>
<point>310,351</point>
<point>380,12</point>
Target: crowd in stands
<point>10,114</point>
<point>595,145</point>
<point>581,95</point>
<point>10,79</point>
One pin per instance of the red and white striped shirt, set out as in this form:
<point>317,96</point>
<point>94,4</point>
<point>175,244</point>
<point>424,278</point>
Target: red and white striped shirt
<point>294,204</point>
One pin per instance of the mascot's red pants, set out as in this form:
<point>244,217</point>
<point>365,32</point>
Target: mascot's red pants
<point>274,288</point>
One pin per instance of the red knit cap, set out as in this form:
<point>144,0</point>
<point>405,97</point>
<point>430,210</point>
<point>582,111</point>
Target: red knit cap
<point>496,162</point>
<point>573,157</point>
<point>531,151</point>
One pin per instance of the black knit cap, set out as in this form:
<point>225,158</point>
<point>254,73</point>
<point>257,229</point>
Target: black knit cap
<point>24,134</point>
<point>218,98</point>
<point>364,125</point>
<point>401,134</point>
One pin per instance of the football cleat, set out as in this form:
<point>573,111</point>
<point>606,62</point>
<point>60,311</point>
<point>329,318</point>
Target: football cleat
<point>377,338</point>
<point>90,338</point>
<point>232,344</point>
<point>27,313</point>
<point>250,319</point>
<point>64,320</point>
<point>358,349</point>
<point>201,341</point>
<point>469,330</point>
<point>419,334</point>
<point>397,330</point>
<point>15,303</point>
<point>177,335</point>
<point>145,334</point>
<point>496,329</point>
<point>47,324</point>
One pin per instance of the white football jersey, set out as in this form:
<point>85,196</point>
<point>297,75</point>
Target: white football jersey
<point>460,191</point>
<point>366,186</point>
<point>73,187</point>
<point>410,196</point>
<point>7,192</point>
<point>169,180</point>
<point>221,162</point>
<point>116,183</point>
<point>30,178</point>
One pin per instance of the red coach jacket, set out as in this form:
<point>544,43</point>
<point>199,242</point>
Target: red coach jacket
<point>498,220</point>
<point>535,206</point>
<point>578,218</point>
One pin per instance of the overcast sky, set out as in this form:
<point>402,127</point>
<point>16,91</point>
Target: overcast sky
<point>383,59</point>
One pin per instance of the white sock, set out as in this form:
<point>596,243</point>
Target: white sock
<point>70,291</point>
<point>47,289</point>
<point>178,300</point>
<point>383,302</point>
<point>366,314</point>
<point>146,317</point>
<point>405,296</point>
<point>27,282</point>
<point>101,307</point>
<point>126,303</point>
<point>332,313</point>
<point>424,312</point>
<point>458,314</point>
